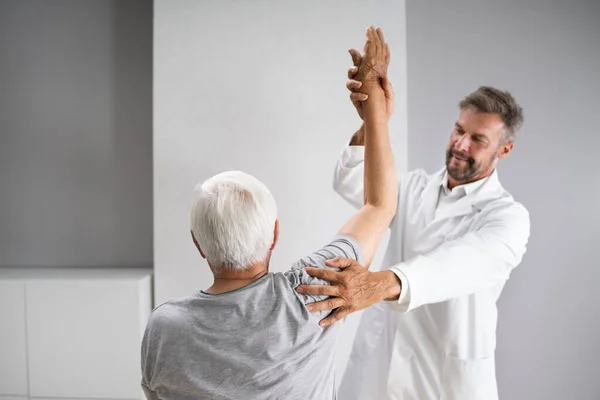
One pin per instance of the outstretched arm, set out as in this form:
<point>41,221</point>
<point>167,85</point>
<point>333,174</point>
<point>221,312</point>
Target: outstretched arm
<point>369,224</point>
<point>473,262</point>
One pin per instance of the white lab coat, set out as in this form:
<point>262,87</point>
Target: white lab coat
<point>437,341</point>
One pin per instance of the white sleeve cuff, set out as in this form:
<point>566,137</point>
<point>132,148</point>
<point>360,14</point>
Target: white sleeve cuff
<point>352,156</point>
<point>403,302</point>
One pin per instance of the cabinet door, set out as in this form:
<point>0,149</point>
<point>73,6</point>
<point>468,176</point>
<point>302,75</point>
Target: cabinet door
<point>13,346</point>
<point>84,338</point>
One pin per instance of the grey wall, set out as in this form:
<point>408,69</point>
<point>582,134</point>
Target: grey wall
<point>259,86</point>
<point>548,54</point>
<point>76,133</point>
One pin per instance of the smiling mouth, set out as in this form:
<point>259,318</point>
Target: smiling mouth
<point>459,158</point>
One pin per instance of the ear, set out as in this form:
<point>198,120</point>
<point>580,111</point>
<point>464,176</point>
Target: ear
<point>505,149</point>
<point>197,245</point>
<point>275,234</point>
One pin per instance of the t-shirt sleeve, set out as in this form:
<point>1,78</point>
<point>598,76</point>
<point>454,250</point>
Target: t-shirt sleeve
<point>150,394</point>
<point>151,347</point>
<point>341,245</point>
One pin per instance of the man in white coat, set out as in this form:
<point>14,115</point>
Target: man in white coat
<point>455,239</point>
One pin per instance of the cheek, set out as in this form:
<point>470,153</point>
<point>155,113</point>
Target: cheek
<point>485,157</point>
<point>452,142</point>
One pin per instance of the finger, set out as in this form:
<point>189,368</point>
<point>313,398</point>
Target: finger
<point>326,305</point>
<point>353,85</point>
<point>322,273</point>
<point>374,40</point>
<point>352,72</point>
<point>334,316</point>
<point>318,290</point>
<point>356,57</point>
<point>369,42</point>
<point>387,53</point>
<point>378,43</point>
<point>339,262</point>
<point>357,104</point>
<point>335,260</point>
<point>380,34</point>
<point>358,97</point>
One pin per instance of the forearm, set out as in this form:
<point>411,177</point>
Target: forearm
<point>380,184</point>
<point>476,261</point>
<point>434,280</point>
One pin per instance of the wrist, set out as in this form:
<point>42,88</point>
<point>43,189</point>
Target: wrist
<point>376,103</point>
<point>373,90</point>
<point>392,285</point>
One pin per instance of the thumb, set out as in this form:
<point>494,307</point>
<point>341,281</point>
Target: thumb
<point>356,57</point>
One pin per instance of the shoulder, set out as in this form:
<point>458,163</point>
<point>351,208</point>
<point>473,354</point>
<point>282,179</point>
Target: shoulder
<point>168,313</point>
<point>413,176</point>
<point>497,203</point>
<point>296,277</point>
<point>505,218</point>
<point>415,181</point>
<point>340,246</point>
<point>419,176</point>
<point>506,210</point>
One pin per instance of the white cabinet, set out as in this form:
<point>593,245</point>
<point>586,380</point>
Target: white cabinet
<point>13,347</point>
<point>81,332</point>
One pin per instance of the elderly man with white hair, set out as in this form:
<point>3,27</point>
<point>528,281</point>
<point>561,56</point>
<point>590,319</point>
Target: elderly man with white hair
<point>250,335</point>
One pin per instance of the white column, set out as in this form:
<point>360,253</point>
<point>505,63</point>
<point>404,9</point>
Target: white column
<point>260,87</point>
<point>13,346</point>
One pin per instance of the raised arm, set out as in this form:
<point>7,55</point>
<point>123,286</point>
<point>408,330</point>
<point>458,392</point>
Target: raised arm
<point>368,225</point>
<point>348,176</point>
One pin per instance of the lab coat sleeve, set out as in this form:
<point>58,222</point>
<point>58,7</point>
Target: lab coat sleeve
<point>478,260</point>
<point>348,177</point>
<point>404,297</point>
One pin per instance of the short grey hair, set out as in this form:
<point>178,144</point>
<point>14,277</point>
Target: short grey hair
<point>487,99</point>
<point>233,220</point>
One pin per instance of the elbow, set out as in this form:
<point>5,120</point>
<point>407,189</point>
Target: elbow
<point>391,210</point>
<point>390,203</point>
<point>387,209</point>
<point>386,205</point>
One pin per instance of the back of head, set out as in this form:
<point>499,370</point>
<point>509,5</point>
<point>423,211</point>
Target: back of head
<point>233,219</point>
<point>487,99</point>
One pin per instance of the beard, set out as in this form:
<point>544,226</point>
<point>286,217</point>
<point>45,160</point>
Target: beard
<point>467,170</point>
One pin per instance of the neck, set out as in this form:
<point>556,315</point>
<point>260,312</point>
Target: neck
<point>229,280</point>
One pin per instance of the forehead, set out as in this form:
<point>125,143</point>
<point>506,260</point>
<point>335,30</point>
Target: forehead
<point>478,122</point>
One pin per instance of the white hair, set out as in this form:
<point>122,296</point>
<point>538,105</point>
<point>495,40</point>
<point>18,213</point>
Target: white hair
<point>233,220</point>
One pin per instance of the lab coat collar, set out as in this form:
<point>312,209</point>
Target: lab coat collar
<point>489,190</point>
<point>466,188</point>
<point>478,194</point>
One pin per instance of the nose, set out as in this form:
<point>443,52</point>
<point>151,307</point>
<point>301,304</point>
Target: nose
<point>463,143</point>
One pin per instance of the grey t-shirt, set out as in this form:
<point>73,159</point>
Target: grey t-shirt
<point>257,342</point>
